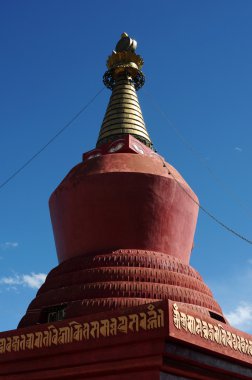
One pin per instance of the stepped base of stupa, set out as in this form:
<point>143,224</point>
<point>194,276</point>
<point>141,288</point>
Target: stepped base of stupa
<point>114,280</point>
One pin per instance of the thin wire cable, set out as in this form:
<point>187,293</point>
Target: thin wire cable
<point>15,173</point>
<point>227,190</point>
<point>237,234</point>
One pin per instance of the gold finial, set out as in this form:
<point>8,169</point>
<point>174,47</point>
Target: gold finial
<point>124,61</point>
<point>126,44</point>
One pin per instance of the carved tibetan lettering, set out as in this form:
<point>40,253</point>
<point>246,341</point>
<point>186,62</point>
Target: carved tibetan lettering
<point>238,343</point>
<point>210,332</point>
<point>160,318</point>
<point>133,322</point>
<point>15,343</point>
<point>176,316</point>
<point>105,327</point>
<point>95,329</point>
<point>123,324</point>
<point>243,345</point>
<point>113,326</point>
<point>152,321</point>
<point>22,344</point>
<point>2,345</point>
<point>54,334</point>
<point>191,324</point>
<point>235,342</point>
<point>8,344</point>
<point>155,318</point>
<point>183,319</point>
<point>65,335</point>
<point>229,339</point>
<point>47,339</point>
<point>205,330</point>
<point>246,345</point>
<point>198,327</point>
<point>86,330</point>
<point>215,333</point>
<point>38,339</point>
<point>29,343</point>
<point>250,348</point>
<point>77,331</point>
<point>143,321</point>
<point>223,336</point>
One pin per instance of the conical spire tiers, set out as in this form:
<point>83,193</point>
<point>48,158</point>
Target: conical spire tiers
<point>124,78</point>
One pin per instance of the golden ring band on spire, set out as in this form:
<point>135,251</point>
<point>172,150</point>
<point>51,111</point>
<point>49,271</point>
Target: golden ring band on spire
<point>123,93</point>
<point>127,130</point>
<point>124,96</point>
<point>123,103</point>
<point>124,84</point>
<point>122,109</point>
<point>124,87</point>
<point>121,120</point>
<point>132,106</point>
<point>119,108</point>
<point>122,125</point>
<point>118,104</point>
<point>124,100</point>
<point>124,112</point>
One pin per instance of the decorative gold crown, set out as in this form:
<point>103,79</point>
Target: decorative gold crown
<point>125,58</point>
<point>124,61</point>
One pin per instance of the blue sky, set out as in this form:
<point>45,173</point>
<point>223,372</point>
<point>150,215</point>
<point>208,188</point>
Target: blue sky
<point>198,62</point>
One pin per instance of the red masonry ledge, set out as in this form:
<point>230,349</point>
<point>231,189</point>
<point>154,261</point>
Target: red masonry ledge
<point>146,342</point>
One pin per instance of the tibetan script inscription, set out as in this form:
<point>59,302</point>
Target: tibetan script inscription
<point>73,332</point>
<point>214,333</point>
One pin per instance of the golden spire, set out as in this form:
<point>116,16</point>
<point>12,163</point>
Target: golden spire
<point>124,77</point>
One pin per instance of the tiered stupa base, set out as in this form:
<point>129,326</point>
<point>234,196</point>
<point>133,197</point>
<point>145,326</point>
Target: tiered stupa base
<point>122,278</point>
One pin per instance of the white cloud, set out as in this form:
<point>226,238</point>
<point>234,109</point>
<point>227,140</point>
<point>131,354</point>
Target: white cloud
<point>33,280</point>
<point>11,280</point>
<point>8,245</point>
<point>241,317</point>
<point>238,149</point>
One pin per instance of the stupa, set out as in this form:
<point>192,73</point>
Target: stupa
<point>124,301</point>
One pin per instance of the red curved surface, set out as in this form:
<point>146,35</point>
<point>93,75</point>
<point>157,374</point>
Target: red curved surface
<point>124,201</point>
